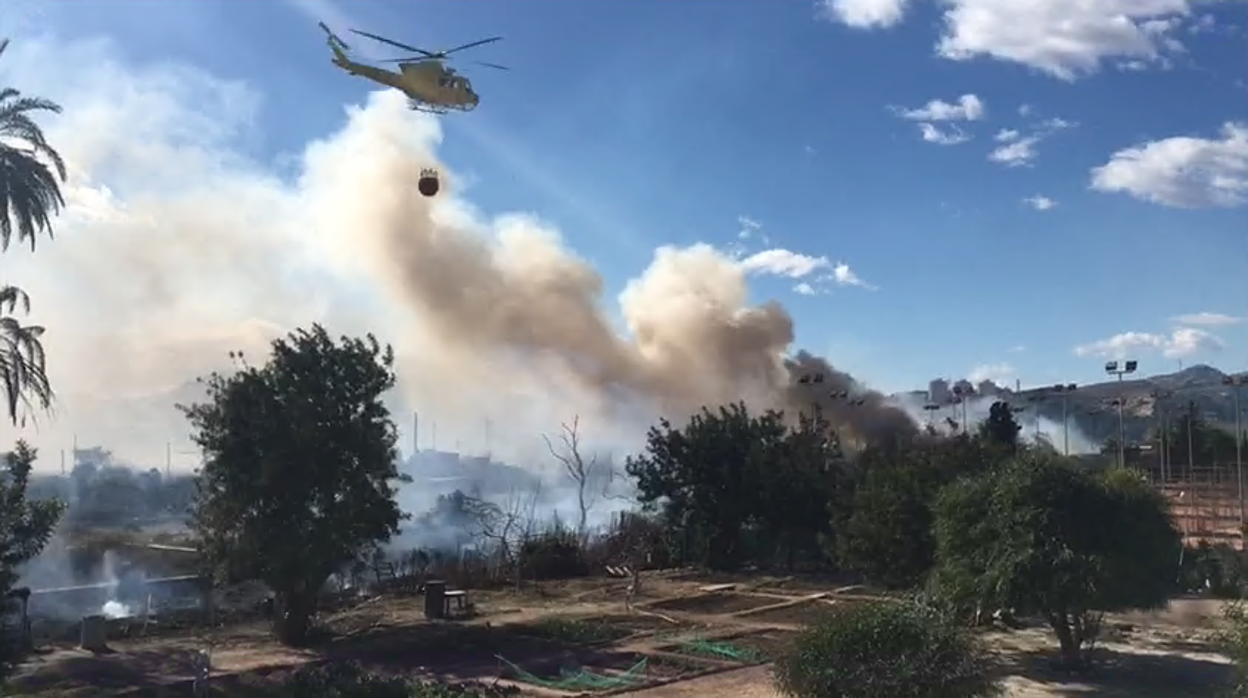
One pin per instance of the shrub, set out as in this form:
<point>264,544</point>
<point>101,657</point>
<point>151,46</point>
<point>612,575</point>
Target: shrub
<point>884,648</point>
<point>556,553</point>
<point>1234,644</point>
<point>343,680</point>
<point>347,680</point>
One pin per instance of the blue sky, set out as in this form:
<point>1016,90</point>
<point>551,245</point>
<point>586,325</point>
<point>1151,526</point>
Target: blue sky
<point>837,134</point>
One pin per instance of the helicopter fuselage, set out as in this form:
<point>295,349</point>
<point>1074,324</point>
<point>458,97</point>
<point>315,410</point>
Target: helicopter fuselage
<point>429,84</point>
<point>432,82</point>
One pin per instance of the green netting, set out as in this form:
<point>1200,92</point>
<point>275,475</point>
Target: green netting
<point>726,650</point>
<point>581,679</point>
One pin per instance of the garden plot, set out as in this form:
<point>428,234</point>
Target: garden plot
<point>716,604</point>
<point>800,613</point>
<point>742,648</point>
<point>602,671</point>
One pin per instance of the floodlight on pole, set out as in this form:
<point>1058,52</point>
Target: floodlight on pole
<point>1114,368</point>
<point>1237,383</point>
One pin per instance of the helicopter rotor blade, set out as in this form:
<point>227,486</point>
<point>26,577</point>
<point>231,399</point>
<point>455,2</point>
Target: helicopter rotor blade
<point>396,44</point>
<point>482,42</point>
<point>492,65</point>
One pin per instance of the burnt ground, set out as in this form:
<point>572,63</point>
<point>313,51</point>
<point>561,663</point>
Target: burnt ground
<point>693,642</point>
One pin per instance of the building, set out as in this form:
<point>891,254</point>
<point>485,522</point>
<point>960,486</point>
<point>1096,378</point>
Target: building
<point>938,392</point>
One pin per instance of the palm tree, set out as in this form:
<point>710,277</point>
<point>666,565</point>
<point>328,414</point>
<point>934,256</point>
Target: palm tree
<point>31,172</point>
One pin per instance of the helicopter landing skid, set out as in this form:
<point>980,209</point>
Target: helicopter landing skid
<point>426,108</point>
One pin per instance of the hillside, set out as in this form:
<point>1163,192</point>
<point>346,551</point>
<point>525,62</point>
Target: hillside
<point>1147,401</point>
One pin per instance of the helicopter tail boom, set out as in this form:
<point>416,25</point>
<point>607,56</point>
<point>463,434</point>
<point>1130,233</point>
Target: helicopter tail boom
<point>338,46</point>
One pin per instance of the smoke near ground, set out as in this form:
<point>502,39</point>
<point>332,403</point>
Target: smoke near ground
<point>180,245</point>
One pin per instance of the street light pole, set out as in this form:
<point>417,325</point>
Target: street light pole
<point>1114,369</point>
<point>1237,382</point>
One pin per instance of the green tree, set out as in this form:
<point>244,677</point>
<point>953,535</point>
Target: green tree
<point>1001,429</point>
<point>1192,439</point>
<point>888,534</point>
<point>707,476</point>
<point>299,467</point>
<point>25,525</point>
<point>806,481</point>
<point>1042,537</point>
<point>31,172</point>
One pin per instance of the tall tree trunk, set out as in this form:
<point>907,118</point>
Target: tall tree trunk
<point>1068,639</point>
<point>292,616</point>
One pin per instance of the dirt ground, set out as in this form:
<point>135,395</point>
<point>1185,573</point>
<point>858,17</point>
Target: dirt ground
<point>525,638</point>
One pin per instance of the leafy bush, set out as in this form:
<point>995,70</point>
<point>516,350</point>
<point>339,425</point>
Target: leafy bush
<point>877,649</point>
<point>1218,570</point>
<point>555,553</point>
<point>573,631</point>
<point>347,680</point>
<point>1233,641</point>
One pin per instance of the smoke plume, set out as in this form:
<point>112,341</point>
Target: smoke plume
<point>180,245</point>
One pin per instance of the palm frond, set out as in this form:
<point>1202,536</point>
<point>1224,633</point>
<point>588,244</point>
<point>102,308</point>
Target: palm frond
<point>30,195</point>
<point>23,375</point>
<point>31,170</point>
<point>11,297</point>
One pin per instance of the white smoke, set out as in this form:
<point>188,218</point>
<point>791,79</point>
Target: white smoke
<point>179,245</point>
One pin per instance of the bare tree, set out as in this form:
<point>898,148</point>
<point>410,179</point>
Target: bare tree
<point>581,472</point>
<point>505,528</point>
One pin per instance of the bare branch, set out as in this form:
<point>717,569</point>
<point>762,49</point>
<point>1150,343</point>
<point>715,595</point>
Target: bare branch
<point>577,469</point>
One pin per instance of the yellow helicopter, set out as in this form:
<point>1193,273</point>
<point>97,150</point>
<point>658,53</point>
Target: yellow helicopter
<point>430,85</point>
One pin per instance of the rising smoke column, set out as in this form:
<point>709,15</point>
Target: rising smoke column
<point>158,271</point>
<point>512,292</point>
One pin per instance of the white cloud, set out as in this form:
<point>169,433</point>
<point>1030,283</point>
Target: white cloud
<point>1183,171</point>
<point>1019,153</point>
<point>1040,203</point>
<point>952,136</point>
<point>844,276</point>
<point>749,228</point>
<point>1024,110</point>
<point>805,289</point>
<point>968,108</point>
<point>1063,38</point>
<point>1207,319</point>
<point>1017,150</point>
<point>1181,343</point>
<point>864,14</point>
<point>782,262</point>
<point>1017,349</point>
<point>999,373</point>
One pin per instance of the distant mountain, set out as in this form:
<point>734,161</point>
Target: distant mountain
<point>1146,403</point>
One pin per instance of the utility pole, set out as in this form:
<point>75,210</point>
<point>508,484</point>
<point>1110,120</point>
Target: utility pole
<point>1035,401</point>
<point>1191,457</point>
<point>961,395</point>
<point>1114,369</point>
<point>1065,389</point>
<point>1236,382</point>
<point>1166,447</point>
<point>168,458</point>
